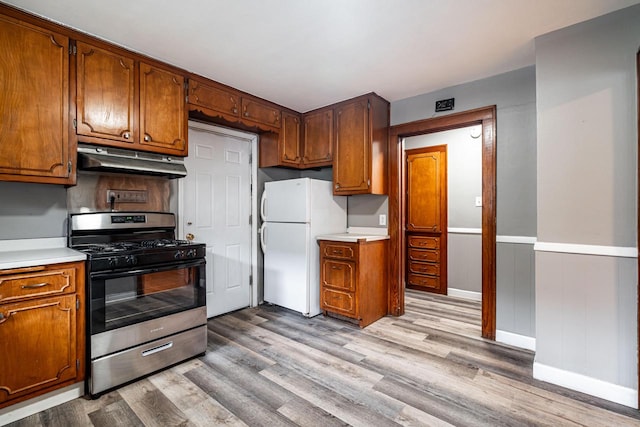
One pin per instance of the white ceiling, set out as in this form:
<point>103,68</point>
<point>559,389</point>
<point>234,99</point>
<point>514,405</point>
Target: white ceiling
<point>305,54</point>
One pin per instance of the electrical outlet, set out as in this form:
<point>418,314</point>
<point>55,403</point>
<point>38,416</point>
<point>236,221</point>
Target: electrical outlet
<point>382,219</point>
<point>478,201</point>
<point>127,196</point>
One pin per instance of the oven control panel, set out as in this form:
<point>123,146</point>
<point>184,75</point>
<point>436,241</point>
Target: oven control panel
<point>128,219</point>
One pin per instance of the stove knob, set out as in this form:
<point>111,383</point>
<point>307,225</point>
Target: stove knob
<point>131,260</point>
<point>113,262</point>
<point>191,253</point>
<point>179,255</point>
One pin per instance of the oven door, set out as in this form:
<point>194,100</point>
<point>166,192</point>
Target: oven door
<point>123,298</point>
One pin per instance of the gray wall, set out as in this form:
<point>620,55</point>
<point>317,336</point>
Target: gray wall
<point>514,95</point>
<point>586,305</point>
<point>29,211</point>
<point>464,181</point>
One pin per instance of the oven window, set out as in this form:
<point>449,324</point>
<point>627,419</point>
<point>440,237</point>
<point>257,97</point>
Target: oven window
<point>128,299</point>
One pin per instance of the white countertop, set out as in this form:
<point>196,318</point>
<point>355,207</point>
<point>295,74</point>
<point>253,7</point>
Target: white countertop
<point>34,252</point>
<point>355,234</point>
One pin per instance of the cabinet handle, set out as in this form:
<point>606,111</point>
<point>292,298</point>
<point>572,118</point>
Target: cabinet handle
<point>335,267</point>
<point>337,186</point>
<point>147,137</point>
<point>126,135</point>
<point>1,316</point>
<point>235,110</point>
<point>35,286</point>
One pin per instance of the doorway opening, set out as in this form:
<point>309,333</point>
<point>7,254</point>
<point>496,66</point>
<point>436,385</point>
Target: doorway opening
<point>486,118</point>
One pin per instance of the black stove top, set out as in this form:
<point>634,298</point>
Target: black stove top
<point>118,240</point>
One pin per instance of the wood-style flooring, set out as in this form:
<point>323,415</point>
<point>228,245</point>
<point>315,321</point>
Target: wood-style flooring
<point>268,366</point>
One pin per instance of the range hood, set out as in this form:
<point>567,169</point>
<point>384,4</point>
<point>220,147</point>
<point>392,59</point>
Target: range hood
<point>94,158</point>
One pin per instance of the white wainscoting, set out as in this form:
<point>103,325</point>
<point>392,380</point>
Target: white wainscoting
<point>573,248</point>
<point>516,340</point>
<point>461,293</point>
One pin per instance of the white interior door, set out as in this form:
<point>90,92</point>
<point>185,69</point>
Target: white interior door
<point>216,210</point>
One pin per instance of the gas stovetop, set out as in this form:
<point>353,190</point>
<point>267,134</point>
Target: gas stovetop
<point>116,240</point>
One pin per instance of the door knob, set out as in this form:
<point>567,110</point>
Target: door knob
<point>189,236</point>
<point>189,223</point>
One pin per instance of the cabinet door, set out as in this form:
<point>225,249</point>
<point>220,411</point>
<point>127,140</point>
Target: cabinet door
<point>318,139</point>
<point>351,165</point>
<point>34,104</point>
<point>290,140</point>
<point>260,113</point>
<point>38,345</point>
<point>163,119</point>
<point>105,94</point>
<point>215,98</point>
<point>427,189</point>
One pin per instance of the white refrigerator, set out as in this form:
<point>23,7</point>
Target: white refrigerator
<point>294,212</point>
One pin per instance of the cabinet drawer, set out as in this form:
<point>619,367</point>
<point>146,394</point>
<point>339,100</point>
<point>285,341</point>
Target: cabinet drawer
<point>424,268</point>
<point>338,301</point>
<point>43,282</point>
<point>339,274</point>
<point>424,242</point>
<point>339,250</point>
<point>424,255</point>
<point>424,281</point>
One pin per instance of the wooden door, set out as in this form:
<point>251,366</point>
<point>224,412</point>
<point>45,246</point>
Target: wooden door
<point>427,189</point>
<point>163,117</point>
<point>105,99</point>
<point>34,104</point>
<point>352,156</point>
<point>426,207</point>
<point>290,139</point>
<point>38,345</point>
<point>318,139</point>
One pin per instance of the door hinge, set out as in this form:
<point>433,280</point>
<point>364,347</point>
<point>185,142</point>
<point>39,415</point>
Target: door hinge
<point>250,158</point>
<point>72,49</point>
<point>77,363</point>
<point>69,167</point>
<point>251,280</point>
<point>75,123</point>
<point>368,183</point>
<point>77,304</point>
<point>368,105</point>
<point>250,219</point>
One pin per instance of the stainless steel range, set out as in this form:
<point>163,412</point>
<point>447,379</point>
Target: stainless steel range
<point>145,294</point>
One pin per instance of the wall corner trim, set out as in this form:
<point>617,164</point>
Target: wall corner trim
<point>573,248</point>
<point>584,384</point>
<point>516,340</point>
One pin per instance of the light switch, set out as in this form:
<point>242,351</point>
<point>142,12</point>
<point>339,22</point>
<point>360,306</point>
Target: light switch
<point>382,220</point>
<point>478,201</point>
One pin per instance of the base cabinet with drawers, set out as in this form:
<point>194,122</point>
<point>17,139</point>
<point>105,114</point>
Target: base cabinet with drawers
<point>353,279</point>
<point>41,330</point>
<point>426,261</point>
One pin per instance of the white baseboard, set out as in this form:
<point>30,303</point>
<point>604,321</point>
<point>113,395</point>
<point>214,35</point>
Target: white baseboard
<point>461,293</point>
<point>41,403</point>
<point>516,340</point>
<point>595,387</point>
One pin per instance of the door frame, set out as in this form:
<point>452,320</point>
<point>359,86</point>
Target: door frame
<point>486,117</point>
<point>253,140</point>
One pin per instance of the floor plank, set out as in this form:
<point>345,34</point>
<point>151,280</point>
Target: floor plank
<point>268,366</point>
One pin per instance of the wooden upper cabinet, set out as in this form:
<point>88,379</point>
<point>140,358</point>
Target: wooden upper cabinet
<point>105,98</point>
<point>290,139</point>
<point>34,105</point>
<point>318,139</point>
<point>426,189</point>
<point>163,114</point>
<point>260,112</point>
<point>214,99</point>
<point>361,141</point>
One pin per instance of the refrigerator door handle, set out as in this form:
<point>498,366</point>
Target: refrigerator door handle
<point>263,229</point>
<point>263,202</point>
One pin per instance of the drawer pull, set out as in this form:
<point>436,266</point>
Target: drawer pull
<point>335,267</point>
<point>158,349</point>
<point>337,252</point>
<point>35,286</point>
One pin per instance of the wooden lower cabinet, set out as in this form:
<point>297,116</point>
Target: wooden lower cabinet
<point>425,263</point>
<point>42,338</point>
<point>353,279</point>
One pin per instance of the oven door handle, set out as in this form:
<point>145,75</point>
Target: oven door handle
<point>121,273</point>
